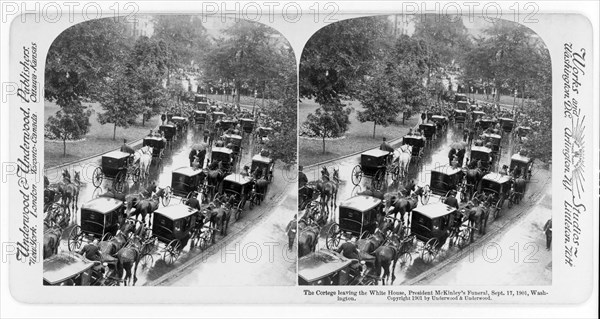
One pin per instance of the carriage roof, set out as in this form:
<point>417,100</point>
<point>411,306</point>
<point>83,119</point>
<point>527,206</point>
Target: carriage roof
<point>494,136</point>
<point>460,111</point>
<point>238,179</point>
<point>376,153</point>
<point>447,170</point>
<point>520,158</point>
<point>153,138</point>
<point>187,171</point>
<point>222,150</point>
<point>116,155</point>
<point>525,128</point>
<point>219,113</point>
<point>479,112</point>
<point>63,266</point>
<point>178,118</point>
<point>506,119</point>
<point>497,178</point>
<point>427,125</point>
<point>102,205</point>
<point>246,120</point>
<point>415,137</point>
<point>439,117</point>
<point>262,159</point>
<point>232,136</point>
<point>265,128</point>
<point>200,112</point>
<point>172,126</point>
<point>434,210</point>
<point>487,119</point>
<point>361,203</point>
<point>481,149</point>
<point>176,212</point>
<point>320,264</point>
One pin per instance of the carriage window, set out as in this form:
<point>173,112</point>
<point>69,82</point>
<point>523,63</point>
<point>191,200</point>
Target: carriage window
<point>177,225</point>
<point>436,224</point>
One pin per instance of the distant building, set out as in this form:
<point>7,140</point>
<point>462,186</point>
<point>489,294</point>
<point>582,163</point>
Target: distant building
<point>140,25</point>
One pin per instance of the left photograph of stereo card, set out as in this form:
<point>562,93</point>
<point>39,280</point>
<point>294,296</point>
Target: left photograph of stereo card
<point>169,146</point>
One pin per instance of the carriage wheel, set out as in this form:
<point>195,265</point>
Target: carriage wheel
<point>463,238</point>
<point>379,179</point>
<point>149,242</point>
<point>96,193</point>
<point>405,260</point>
<point>172,251</point>
<point>429,250</point>
<point>498,208</point>
<point>475,195</point>
<point>166,199</point>
<point>119,181</point>
<point>357,175</point>
<point>333,237</point>
<point>396,173</point>
<point>135,175</point>
<point>75,239</point>
<point>365,234</point>
<point>511,200</point>
<point>146,261</point>
<point>97,177</point>
<point>238,210</point>
<point>106,237</point>
<point>426,195</point>
<point>355,190</point>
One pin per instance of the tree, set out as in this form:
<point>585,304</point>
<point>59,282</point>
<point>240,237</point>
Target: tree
<point>328,121</point>
<point>120,102</point>
<point>71,122</point>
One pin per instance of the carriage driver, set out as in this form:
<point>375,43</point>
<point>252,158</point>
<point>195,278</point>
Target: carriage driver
<point>245,171</point>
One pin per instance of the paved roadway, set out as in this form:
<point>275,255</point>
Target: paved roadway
<point>434,156</point>
<point>178,157</point>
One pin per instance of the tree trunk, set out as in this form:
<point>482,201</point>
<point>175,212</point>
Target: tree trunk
<point>115,132</point>
<point>64,147</point>
<point>374,125</point>
<point>323,143</point>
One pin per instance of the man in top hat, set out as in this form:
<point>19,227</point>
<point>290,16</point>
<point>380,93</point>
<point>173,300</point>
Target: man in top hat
<point>451,200</point>
<point>245,171</point>
<point>385,146</point>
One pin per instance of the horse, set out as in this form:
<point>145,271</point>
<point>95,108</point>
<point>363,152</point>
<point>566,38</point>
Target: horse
<point>223,213</point>
<point>214,177</point>
<point>329,190</point>
<point>401,204</point>
<point>70,191</point>
<point>368,245</point>
<point>386,256</point>
<point>472,178</point>
<point>477,217</point>
<point>144,157</point>
<point>308,238</point>
<point>146,206</point>
<point>52,235</point>
<point>109,248</point>
<point>403,155</point>
<point>128,257</point>
<point>131,201</point>
<point>519,185</point>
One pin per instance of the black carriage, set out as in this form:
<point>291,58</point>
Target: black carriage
<point>200,117</point>
<point>241,188</point>
<point>418,145</point>
<point>218,116</point>
<point>523,164</point>
<point>263,133</point>
<point>445,179</point>
<point>375,164</point>
<point>430,225</point>
<point>485,123</point>
<point>264,164</point>
<point>460,97</point>
<point>228,124</point>
<point>429,131</point>
<point>170,132</point>
<point>357,217</point>
<point>200,98</point>
<point>181,123</point>
<point>522,131</point>
<point>494,140</point>
<point>174,226</point>
<point>234,142</point>
<point>247,125</point>
<point>440,120</point>
<point>498,186</point>
<point>329,268</point>
<point>98,219</point>
<point>184,182</point>
<point>477,115</point>
<point>460,117</point>
<point>158,146</point>
<point>225,156</point>
<point>483,154</point>
<point>117,166</point>
<point>507,124</point>
<point>462,105</point>
<point>71,269</point>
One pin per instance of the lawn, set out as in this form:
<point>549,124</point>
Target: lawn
<point>98,140</point>
<point>244,99</point>
<point>504,99</point>
<point>358,138</point>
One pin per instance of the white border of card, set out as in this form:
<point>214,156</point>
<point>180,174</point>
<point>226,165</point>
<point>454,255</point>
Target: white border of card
<point>574,276</point>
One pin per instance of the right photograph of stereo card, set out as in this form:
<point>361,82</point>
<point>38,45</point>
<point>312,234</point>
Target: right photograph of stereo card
<point>425,147</point>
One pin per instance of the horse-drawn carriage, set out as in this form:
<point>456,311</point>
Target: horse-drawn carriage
<point>218,116</point>
<point>241,188</point>
<point>522,132</point>
<point>460,97</point>
<point>181,123</point>
<point>158,146</point>
<point>431,225</point>
<point>71,269</point>
<point>444,179</point>
<point>234,142</point>
<point>485,122</point>
<point>264,164</point>
<point>174,226</point>
<point>247,125</point>
<point>429,131</point>
<point>523,164</point>
<point>117,166</point>
<point>460,117</point>
<point>441,121</point>
<point>496,188</point>
<point>483,155</point>
<point>228,123</point>
<point>375,164</point>
<point>225,156</point>
<point>477,115</point>
<point>200,117</point>
<point>170,132</point>
<point>418,144</point>
<point>495,141</point>
<point>507,124</point>
<point>357,217</point>
<point>184,182</point>
<point>99,219</point>
<point>263,133</point>
<point>326,268</point>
